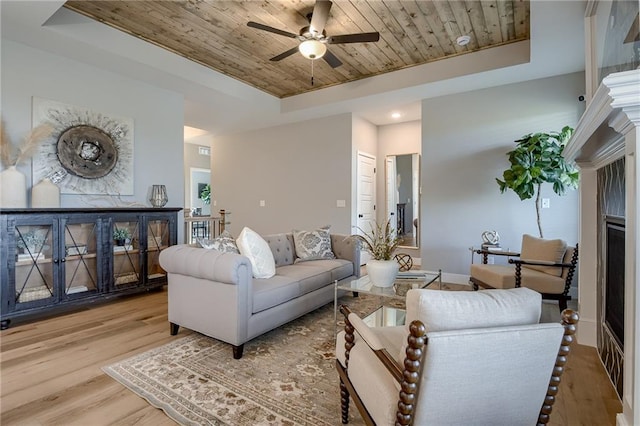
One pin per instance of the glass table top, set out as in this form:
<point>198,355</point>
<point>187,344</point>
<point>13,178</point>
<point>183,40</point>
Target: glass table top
<point>403,283</point>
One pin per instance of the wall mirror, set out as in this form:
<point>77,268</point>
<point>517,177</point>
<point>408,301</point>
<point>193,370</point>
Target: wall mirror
<point>403,196</point>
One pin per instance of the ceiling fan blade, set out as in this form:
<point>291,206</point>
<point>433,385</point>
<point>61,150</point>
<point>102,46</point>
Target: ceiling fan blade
<point>354,38</point>
<point>320,15</point>
<point>284,54</point>
<point>271,29</point>
<point>332,59</point>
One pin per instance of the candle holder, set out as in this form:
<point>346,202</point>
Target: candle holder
<point>158,196</point>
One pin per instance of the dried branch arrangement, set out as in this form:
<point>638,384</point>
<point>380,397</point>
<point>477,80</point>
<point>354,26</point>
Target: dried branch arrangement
<point>11,155</point>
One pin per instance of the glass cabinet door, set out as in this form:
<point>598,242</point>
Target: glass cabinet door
<point>34,264</point>
<point>81,267</point>
<point>126,253</point>
<point>157,239</point>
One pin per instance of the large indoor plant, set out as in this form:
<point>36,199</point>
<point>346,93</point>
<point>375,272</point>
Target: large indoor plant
<point>380,242</point>
<point>538,159</point>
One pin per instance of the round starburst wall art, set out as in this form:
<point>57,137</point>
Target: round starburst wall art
<point>87,153</point>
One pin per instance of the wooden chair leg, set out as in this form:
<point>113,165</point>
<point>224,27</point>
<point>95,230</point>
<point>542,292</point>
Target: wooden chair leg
<point>344,402</point>
<point>562,304</point>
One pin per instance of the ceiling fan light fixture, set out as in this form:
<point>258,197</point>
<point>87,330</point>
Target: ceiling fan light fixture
<point>312,49</point>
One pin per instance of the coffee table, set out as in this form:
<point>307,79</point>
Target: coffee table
<point>404,282</point>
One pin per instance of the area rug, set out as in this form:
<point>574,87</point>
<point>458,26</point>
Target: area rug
<point>286,376</point>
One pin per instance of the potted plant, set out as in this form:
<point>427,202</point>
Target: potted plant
<point>31,242</point>
<point>538,159</point>
<point>205,195</point>
<point>380,243</point>
<point>121,236</point>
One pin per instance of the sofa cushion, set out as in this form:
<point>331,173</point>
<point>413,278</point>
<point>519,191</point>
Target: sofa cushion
<point>257,250</point>
<point>313,245</point>
<point>223,242</point>
<point>339,268</point>
<point>310,278</point>
<point>543,250</point>
<point>282,248</point>
<point>273,291</point>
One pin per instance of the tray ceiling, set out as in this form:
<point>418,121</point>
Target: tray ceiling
<point>215,34</point>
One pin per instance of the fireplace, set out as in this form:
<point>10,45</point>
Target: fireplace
<point>608,135</point>
<point>614,279</point>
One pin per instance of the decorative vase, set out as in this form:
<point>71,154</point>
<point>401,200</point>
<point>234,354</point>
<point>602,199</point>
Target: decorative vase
<point>382,272</point>
<point>13,188</point>
<point>45,194</point>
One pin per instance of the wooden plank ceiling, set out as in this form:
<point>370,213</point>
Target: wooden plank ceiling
<point>215,34</point>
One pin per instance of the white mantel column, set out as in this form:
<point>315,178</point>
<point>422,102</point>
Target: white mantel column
<point>631,382</point>
<point>608,130</point>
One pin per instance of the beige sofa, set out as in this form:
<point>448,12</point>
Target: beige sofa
<point>215,294</point>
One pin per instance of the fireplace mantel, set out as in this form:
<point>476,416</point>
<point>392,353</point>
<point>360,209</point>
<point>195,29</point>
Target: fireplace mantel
<point>608,130</point>
<point>614,110</point>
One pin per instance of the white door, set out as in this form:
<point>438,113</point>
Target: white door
<point>366,208</point>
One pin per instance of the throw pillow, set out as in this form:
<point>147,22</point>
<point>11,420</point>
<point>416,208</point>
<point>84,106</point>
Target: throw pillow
<point>313,245</point>
<point>551,251</point>
<point>223,242</point>
<point>253,246</point>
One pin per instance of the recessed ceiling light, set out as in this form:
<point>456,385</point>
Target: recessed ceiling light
<point>396,115</point>
<point>463,40</point>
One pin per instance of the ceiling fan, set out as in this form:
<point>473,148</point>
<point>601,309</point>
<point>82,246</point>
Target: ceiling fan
<point>313,38</point>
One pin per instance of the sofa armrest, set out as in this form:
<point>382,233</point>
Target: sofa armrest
<point>347,248</point>
<point>206,264</point>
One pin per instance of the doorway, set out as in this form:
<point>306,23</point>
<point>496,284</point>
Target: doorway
<point>199,179</point>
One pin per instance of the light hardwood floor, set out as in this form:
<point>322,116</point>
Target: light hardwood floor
<point>51,370</point>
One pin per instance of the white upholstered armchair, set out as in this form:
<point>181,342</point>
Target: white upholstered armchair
<point>464,358</point>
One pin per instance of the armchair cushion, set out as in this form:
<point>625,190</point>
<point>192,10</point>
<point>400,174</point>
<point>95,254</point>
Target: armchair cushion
<point>539,249</point>
<point>501,374</point>
<point>453,310</point>
<point>374,384</point>
<point>503,276</point>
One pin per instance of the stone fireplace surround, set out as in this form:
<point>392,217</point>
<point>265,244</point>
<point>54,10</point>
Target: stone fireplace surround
<point>608,131</point>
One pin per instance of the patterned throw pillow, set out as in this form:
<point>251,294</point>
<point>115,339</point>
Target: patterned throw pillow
<point>313,245</point>
<point>223,242</point>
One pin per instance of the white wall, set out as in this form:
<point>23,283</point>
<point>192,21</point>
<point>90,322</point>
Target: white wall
<point>157,115</point>
<point>300,170</point>
<point>465,138</point>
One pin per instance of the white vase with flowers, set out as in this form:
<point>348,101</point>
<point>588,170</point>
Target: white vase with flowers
<point>380,242</point>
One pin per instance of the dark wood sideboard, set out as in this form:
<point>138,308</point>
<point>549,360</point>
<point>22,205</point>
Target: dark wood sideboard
<point>58,259</point>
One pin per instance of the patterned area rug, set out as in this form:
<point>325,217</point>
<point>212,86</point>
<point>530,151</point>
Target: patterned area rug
<point>286,376</point>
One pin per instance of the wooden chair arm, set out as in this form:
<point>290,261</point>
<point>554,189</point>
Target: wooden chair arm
<point>486,252</point>
<point>497,252</point>
<point>539,263</point>
<point>383,355</point>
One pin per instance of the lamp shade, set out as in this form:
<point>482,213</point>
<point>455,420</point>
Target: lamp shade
<point>312,49</point>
